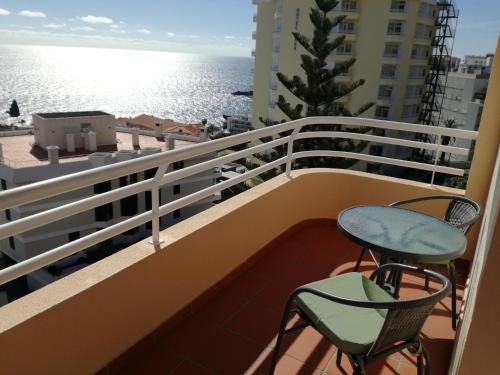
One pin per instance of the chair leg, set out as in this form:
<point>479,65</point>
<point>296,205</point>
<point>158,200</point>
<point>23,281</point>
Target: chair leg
<point>427,361</point>
<point>426,285</point>
<point>453,280</point>
<point>281,333</point>
<point>360,258</point>
<point>339,357</point>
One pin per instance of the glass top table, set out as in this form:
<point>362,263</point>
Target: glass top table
<point>402,234</point>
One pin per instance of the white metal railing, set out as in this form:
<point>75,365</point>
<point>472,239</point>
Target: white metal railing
<point>45,189</point>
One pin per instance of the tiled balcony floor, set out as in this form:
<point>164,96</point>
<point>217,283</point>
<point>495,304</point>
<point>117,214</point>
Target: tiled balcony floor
<point>234,332</point>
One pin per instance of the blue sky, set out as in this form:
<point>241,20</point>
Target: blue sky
<point>221,27</point>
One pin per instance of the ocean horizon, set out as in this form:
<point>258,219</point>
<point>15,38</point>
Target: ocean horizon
<point>180,86</point>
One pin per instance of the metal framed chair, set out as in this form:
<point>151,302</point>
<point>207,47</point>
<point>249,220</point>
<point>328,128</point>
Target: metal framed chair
<point>462,213</point>
<point>361,319</point>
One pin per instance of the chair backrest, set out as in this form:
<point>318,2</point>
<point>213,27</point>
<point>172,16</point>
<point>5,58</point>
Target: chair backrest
<point>462,213</point>
<point>404,321</point>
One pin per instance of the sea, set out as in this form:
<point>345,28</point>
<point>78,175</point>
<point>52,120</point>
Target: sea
<point>179,86</point>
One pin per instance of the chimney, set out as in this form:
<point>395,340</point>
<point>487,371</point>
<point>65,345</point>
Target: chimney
<point>203,134</point>
<point>70,142</point>
<point>135,137</point>
<point>53,152</point>
<point>170,142</point>
<point>92,141</point>
<point>158,130</point>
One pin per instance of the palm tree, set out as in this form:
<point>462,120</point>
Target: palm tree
<point>446,140</point>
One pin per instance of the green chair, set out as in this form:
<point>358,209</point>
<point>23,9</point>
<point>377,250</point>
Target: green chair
<point>361,319</point>
<point>462,213</point>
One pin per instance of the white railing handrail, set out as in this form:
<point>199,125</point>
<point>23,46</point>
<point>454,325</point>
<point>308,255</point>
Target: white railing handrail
<point>64,184</point>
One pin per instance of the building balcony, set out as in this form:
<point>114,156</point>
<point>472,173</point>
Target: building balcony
<point>206,295</point>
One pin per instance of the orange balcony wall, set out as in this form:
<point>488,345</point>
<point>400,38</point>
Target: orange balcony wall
<point>81,323</point>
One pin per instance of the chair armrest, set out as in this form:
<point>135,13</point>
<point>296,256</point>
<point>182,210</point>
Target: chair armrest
<point>393,305</point>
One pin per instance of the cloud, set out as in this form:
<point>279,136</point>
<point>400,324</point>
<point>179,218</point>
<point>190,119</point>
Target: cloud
<point>118,31</point>
<point>55,25</point>
<point>30,13</point>
<point>170,34</point>
<point>144,31</point>
<point>96,19</point>
<point>54,37</point>
<point>82,28</point>
<point>229,37</point>
<point>194,36</point>
<point>4,12</point>
<point>114,26</point>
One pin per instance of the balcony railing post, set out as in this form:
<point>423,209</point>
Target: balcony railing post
<point>436,158</point>
<point>155,204</point>
<point>289,152</point>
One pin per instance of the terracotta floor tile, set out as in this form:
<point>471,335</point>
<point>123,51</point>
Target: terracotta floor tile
<point>224,306</point>
<point>388,366</point>
<point>308,346</point>
<point>189,368</point>
<point>286,366</point>
<point>194,332</point>
<point>256,322</point>
<point>157,361</point>
<point>227,353</point>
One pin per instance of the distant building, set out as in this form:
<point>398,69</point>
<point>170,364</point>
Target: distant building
<point>463,105</point>
<point>65,143</point>
<point>148,122</point>
<point>238,124</point>
<point>473,64</point>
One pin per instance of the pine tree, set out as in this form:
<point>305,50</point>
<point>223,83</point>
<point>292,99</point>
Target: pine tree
<point>321,92</point>
<point>14,109</point>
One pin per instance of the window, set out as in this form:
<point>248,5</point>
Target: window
<point>395,28</point>
<point>276,45</point>
<point>346,73</point>
<point>177,214</point>
<point>177,189</point>
<point>391,50</point>
<point>419,52</point>
<point>417,72</point>
<point>414,91</point>
<point>346,27</point>
<point>382,112</point>
<point>423,31</point>
<point>349,5</point>
<point>129,206</point>
<point>411,110</point>
<point>104,212</point>
<point>376,150</point>
<point>279,6</point>
<point>178,165</point>
<point>86,127</point>
<point>277,25</point>
<point>73,236</point>
<point>398,5</point>
<point>4,184</point>
<point>426,10</point>
<point>12,243</point>
<point>297,19</point>
<point>385,91</point>
<point>388,71</point>
<point>272,102</point>
<point>344,49</point>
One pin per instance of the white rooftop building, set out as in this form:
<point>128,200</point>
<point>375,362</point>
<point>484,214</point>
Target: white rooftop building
<point>65,143</point>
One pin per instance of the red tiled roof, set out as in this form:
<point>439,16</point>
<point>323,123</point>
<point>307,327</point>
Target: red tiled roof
<point>150,122</point>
